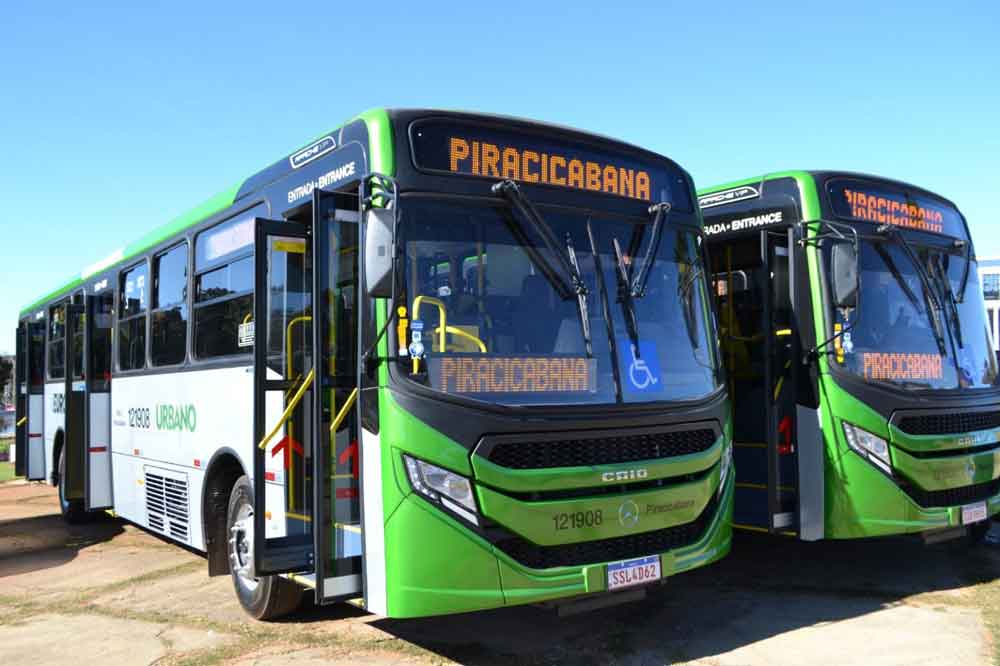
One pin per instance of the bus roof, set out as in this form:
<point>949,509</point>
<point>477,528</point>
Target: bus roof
<point>377,121</point>
<point>811,173</point>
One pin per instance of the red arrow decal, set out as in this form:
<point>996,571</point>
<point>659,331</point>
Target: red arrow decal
<point>785,428</point>
<point>287,444</point>
<point>350,453</point>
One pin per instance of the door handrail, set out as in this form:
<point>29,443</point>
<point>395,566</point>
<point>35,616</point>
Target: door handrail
<point>292,404</point>
<point>343,410</point>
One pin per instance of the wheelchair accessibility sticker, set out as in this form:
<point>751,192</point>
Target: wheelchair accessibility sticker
<point>640,368</point>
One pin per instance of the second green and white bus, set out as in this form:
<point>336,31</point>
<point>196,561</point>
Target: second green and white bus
<point>863,378</point>
<point>433,362</point>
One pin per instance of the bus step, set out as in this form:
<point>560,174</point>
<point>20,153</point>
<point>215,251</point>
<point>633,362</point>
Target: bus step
<point>589,603</point>
<point>939,536</point>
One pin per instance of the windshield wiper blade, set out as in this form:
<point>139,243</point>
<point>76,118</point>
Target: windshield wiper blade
<point>890,263</point>
<point>581,299</point>
<point>934,306</point>
<point>659,211</point>
<point>625,296</point>
<point>566,258</point>
<point>960,297</point>
<point>945,282</point>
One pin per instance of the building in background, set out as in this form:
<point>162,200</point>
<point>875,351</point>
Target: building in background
<point>989,273</point>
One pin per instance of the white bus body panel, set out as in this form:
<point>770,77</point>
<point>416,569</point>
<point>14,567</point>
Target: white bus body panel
<point>99,452</point>
<point>35,455</point>
<point>55,420</point>
<point>171,425</point>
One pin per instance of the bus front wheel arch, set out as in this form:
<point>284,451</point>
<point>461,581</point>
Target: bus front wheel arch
<point>223,472</point>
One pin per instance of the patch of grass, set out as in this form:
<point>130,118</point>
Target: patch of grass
<point>6,471</point>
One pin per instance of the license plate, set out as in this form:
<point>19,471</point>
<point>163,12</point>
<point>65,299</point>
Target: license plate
<point>633,572</point>
<point>973,513</point>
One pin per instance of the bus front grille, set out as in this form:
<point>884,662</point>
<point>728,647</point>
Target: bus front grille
<point>599,448</point>
<point>606,550</point>
<point>953,496</point>
<point>948,423</point>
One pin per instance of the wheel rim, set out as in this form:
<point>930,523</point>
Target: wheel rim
<point>241,547</point>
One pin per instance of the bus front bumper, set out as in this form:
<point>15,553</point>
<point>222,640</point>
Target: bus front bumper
<point>864,502</point>
<point>437,565</point>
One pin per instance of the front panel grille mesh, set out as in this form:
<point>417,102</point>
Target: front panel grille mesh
<point>580,452</point>
<point>607,550</point>
<point>948,424</point>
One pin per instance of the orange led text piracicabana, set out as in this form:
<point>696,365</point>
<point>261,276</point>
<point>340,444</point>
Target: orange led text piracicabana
<point>481,158</point>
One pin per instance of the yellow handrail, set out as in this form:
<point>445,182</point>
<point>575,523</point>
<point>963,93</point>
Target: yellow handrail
<point>442,313</point>
<point>24,419</point>
<point>292,404</point>
<point>343,410</point>
<point>454,330</point>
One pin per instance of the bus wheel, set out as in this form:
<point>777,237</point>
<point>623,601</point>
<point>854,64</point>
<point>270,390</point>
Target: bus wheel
<point>264,598</point>
<point>73,510</point>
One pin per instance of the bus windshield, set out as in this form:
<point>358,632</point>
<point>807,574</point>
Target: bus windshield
<point>490,318</point>
<point>894,339</point>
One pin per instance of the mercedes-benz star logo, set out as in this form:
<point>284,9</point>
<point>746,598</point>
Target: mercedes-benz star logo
<point>628,514</point>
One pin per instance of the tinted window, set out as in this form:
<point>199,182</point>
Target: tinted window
<point>224,292</point>
<point>36,356</point>
<point>991,286</point>
<point>100,344</point>
<point>224,241</point>
<point>132,320</point>
<point>57,348</point>
<point>169,333</point>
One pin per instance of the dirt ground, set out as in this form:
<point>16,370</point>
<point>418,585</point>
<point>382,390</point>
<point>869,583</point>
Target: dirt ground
<point>110,593</point>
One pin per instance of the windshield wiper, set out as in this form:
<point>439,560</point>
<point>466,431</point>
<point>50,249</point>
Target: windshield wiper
<point>566,259</point>
<point>945,282</point>
<point>659,211</point>
<point>934,306</point>
<point>960,298</point>
<point>625,296</point>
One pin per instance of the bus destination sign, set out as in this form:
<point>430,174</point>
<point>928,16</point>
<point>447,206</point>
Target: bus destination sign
<point>475,373</point>
<point>862,201</point>
<point>474,150</point>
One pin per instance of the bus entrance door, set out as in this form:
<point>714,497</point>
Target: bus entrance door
<point>306,462</point>
<point>20,398</point>
<point>284,399</point>
<point>88,401</point>
<point>75,403</point>
<point>34,458</point>
<point>338,511</point>
<point>780,370</point>
<point>97,375</point>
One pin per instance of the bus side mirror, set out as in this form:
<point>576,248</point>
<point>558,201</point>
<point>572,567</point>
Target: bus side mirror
<point>379,231</point>
<point>844,272</point>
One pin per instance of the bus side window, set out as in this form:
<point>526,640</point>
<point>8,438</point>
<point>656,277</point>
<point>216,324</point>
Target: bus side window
<point>57,349</point>
<point>133,303</point>
<point>169,328</point>
<point>223,287</point>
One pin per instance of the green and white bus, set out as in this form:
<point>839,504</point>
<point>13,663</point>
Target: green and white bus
<point>486,375</point>
<point>852,326</point>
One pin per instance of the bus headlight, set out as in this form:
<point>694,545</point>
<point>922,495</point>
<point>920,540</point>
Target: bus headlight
<point>450,490</point>
<point>869,446</point>
<point>726,465</point>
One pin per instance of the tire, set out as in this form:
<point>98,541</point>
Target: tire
<point>73,511</point>
<point>264,598</point>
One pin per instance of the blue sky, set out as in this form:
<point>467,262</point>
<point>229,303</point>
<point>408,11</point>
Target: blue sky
<point>115,119</point>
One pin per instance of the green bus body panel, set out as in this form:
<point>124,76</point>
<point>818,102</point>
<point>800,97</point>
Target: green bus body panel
<point>380,150</point>
<point>942,443</point>
<point>657,509</point>
<point>541,480</point>
<point>443,567</point>
<point>944,473</point>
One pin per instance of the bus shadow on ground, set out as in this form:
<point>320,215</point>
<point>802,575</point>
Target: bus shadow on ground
<point>41,542</point>
<point>765,588</point>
